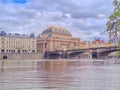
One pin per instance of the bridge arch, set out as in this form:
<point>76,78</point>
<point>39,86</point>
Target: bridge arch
<point>79,54</point>
<point>52,55</point>
<point>94,55</point>
<point>74,54</point>
<point>105,53</point>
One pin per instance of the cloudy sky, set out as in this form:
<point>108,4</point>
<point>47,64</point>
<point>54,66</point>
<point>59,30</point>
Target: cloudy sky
<point>83,18</point>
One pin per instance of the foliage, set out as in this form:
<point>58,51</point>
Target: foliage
<point>118,53</point>
<point>117,13</point>
<point>115,2</point>
<point>113,24</point>
<point>119,44</point>
<point>109,26</point>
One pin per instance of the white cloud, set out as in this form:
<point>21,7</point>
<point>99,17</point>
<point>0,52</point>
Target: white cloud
<point>86,16</point>
<point>101,15</point>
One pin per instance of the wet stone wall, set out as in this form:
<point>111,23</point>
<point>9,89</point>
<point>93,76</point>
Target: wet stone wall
<point>19,56</point>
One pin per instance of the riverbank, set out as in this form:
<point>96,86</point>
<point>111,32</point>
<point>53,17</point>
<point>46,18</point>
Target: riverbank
<point>22,56</point>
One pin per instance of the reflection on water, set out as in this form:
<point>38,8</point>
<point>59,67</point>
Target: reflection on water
<point>12,66</point>
<point>59,75</point>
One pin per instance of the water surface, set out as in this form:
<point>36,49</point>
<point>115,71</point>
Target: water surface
<point>59,75</point>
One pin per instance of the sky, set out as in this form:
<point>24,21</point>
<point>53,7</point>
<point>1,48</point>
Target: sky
<point>83,18</point>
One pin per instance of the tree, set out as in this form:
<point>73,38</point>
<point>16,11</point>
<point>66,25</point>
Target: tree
<point>113,24</point>
<point>119,44</point>
<point>118,53</point>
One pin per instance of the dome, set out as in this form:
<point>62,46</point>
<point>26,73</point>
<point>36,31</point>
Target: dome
<point>54,29</point>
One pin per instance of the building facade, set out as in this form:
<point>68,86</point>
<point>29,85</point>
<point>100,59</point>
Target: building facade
<point>100,43</point>
<point>56,38</point>
<point>17,44</point>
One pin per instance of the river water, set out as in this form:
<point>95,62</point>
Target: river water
<point>59,75</point>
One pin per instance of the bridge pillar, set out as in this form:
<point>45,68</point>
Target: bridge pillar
<point>90,55</point>
<point>64,55</point>
<point>94,55</point>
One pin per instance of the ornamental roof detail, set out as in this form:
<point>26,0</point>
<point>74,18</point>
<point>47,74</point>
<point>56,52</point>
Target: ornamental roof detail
<point>55,29</point>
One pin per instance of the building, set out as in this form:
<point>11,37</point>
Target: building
<point>15,43</point>
<point>100,43</point>
<point>56,38</point>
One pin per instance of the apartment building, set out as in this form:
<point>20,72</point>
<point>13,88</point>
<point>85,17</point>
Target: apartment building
<point>15,43</point>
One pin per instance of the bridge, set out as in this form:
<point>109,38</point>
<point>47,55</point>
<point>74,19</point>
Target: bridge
<point>98,52</point>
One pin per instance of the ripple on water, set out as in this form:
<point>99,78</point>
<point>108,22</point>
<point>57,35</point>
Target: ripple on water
<point>60,75</point>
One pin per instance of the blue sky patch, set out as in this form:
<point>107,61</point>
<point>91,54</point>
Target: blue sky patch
<point>14,1</point>
<point>19,1</point>
<point>4,1</point>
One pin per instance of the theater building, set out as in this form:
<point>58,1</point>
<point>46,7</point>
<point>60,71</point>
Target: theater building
<point>56,38</point>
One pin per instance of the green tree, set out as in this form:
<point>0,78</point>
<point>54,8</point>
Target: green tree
<point>113,24</point>
<point>118,53</point>
<point>119,44</point>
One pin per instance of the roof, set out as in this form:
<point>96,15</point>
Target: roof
<point>98,41</point>
<point>16,35</point>
<point>55,29</point>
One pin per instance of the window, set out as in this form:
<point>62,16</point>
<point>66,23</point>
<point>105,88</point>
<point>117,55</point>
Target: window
<point>45,45</point>
<point>3,42</point>
<point>33,50</point>
<point>2,38</point>
<point>6,50</point>
<point>2,50</point>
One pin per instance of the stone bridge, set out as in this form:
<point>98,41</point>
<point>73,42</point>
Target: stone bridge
<point>105,53</point>
<point>101,52</point>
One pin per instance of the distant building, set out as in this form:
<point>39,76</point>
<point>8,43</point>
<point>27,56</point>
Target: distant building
<point>100,43</point>
<point>16,43</point>
<point>56,38</point>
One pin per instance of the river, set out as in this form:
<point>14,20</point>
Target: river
<point>59,75</point>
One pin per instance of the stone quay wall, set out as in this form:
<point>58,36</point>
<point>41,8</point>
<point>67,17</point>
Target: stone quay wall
<point>22,56</point>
